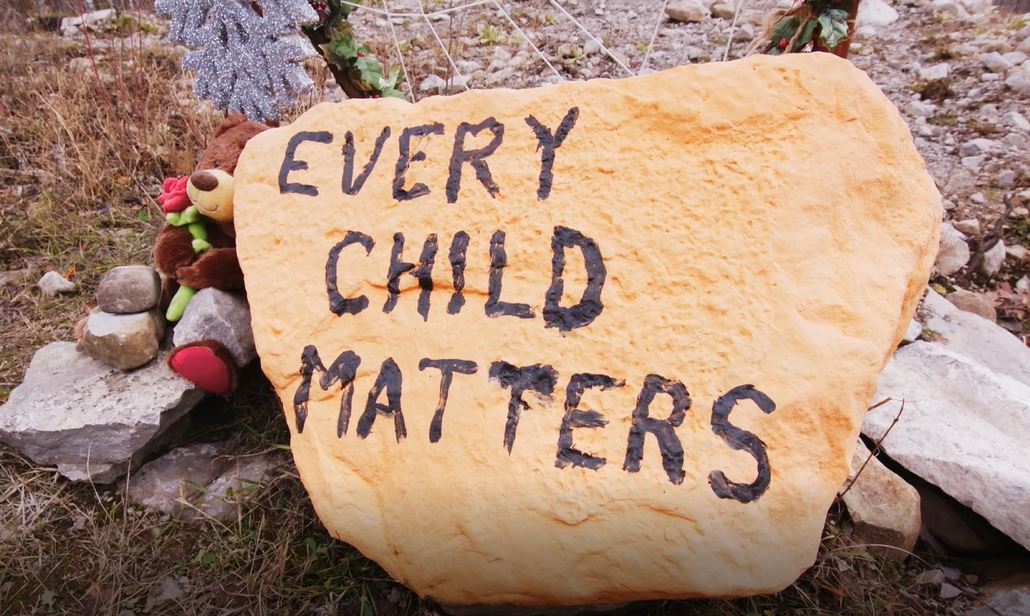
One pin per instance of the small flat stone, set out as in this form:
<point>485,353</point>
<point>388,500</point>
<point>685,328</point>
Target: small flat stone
<point>129,288</point>
<point>973,302</point>
<point>92,421</point>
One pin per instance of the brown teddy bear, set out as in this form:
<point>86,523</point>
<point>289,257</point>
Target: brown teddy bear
<point>196,250</point>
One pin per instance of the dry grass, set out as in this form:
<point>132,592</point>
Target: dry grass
<point>83,146</point>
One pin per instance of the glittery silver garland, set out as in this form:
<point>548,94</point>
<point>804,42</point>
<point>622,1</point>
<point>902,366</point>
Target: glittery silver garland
<point>243,61</point>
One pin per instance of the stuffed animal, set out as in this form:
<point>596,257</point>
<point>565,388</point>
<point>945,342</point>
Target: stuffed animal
<point>197,250</point>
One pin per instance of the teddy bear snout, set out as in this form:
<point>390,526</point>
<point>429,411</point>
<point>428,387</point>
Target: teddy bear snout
<point>204,181</point>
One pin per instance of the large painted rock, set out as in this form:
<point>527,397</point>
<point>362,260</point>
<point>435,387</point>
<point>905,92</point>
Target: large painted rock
<point>590,343</point>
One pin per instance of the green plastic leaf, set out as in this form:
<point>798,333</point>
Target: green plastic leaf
<point>784,28</point>
<point>344,48</point>
<point>806,35</point>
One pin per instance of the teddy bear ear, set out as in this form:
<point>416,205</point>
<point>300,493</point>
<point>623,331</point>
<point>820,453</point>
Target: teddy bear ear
<point>233,119</point>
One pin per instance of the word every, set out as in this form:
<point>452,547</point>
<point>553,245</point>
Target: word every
<point>548,142</point>
<point>543,379</point>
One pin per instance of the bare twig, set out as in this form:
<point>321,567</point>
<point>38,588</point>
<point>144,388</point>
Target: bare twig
<point>876,448</point>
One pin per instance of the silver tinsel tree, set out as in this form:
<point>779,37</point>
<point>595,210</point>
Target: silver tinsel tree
<point>246,53</point>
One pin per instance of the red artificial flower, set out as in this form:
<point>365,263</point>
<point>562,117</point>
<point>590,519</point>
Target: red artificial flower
<point>173,197</point>
<point>783,43</point>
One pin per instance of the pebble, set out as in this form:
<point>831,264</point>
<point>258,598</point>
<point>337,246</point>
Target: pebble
<point>973,302</point>
<point>1017,252</point>
<point>129,288</point>
<point>935,72</point>
<point>954,251</point>
<point>690,11</point>
<point>995,62</point>
<point>969,226</point>
<point>1006,179</point>
<point>973,162</point>
<point>53,283</point>
<point>1018,79</point>
<point>1018,120</point>
<point>921,108</point>
<point>993,259</point>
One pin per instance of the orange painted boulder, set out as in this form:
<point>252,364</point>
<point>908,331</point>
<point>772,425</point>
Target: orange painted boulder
<point>589,343</point>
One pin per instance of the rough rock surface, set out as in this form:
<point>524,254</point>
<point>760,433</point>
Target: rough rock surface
<point>687,11</point>
<point>954,251</point>
<point>211,482</point>
<point>973,302</point>
<point>179,474</point>
<point>876,14</point>
<point>53,283</point>
<point>123,341</point>
<point>128,289</point>
<point>883,508</point>
<point>975,337</point>
<point>221,316</point>
<point>242,477</point>
<point>92,421</point>
<point>963,429</point>
<point>712,279</point>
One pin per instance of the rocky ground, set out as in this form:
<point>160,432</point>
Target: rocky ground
<point>80,170</point>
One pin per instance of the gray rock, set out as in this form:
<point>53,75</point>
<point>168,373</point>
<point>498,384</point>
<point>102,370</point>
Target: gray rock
<point>973,163</point>
<point>978,146</point>
<point>973,302</point>
<point>883,508</point>
<point>1023,284</point>
<point>123,341</point>
<point>92,421</point>
<point>53,283</point>
<point>949,592</point>
<point>1018,120</point>
<point>970,226</point>
<point>1006,597</point>
<point>953,253</point>
<point>129,288</point>
<point>221,316</point>
<point>962,429</point>
<point>724,10</point>
<point>1017,252</point>
<point>975,337</point>
<point>936,72</point>
<point>687,11</point>
<point>920,109</point>
<point>71,25</point>
<point>875,14</point>
<point>1015,58</point>
<point>1018,78</point>
<point>993,258</point>
<point>1006,179</point>
<point>950,7</point>
<point>995,63</point>
<point>241,480</point>
<point>432,83</point>
<point>180,475</point>
<point>913,331</point>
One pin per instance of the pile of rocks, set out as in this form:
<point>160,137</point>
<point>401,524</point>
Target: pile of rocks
<point>126,329</point>
<point>957,416</point>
